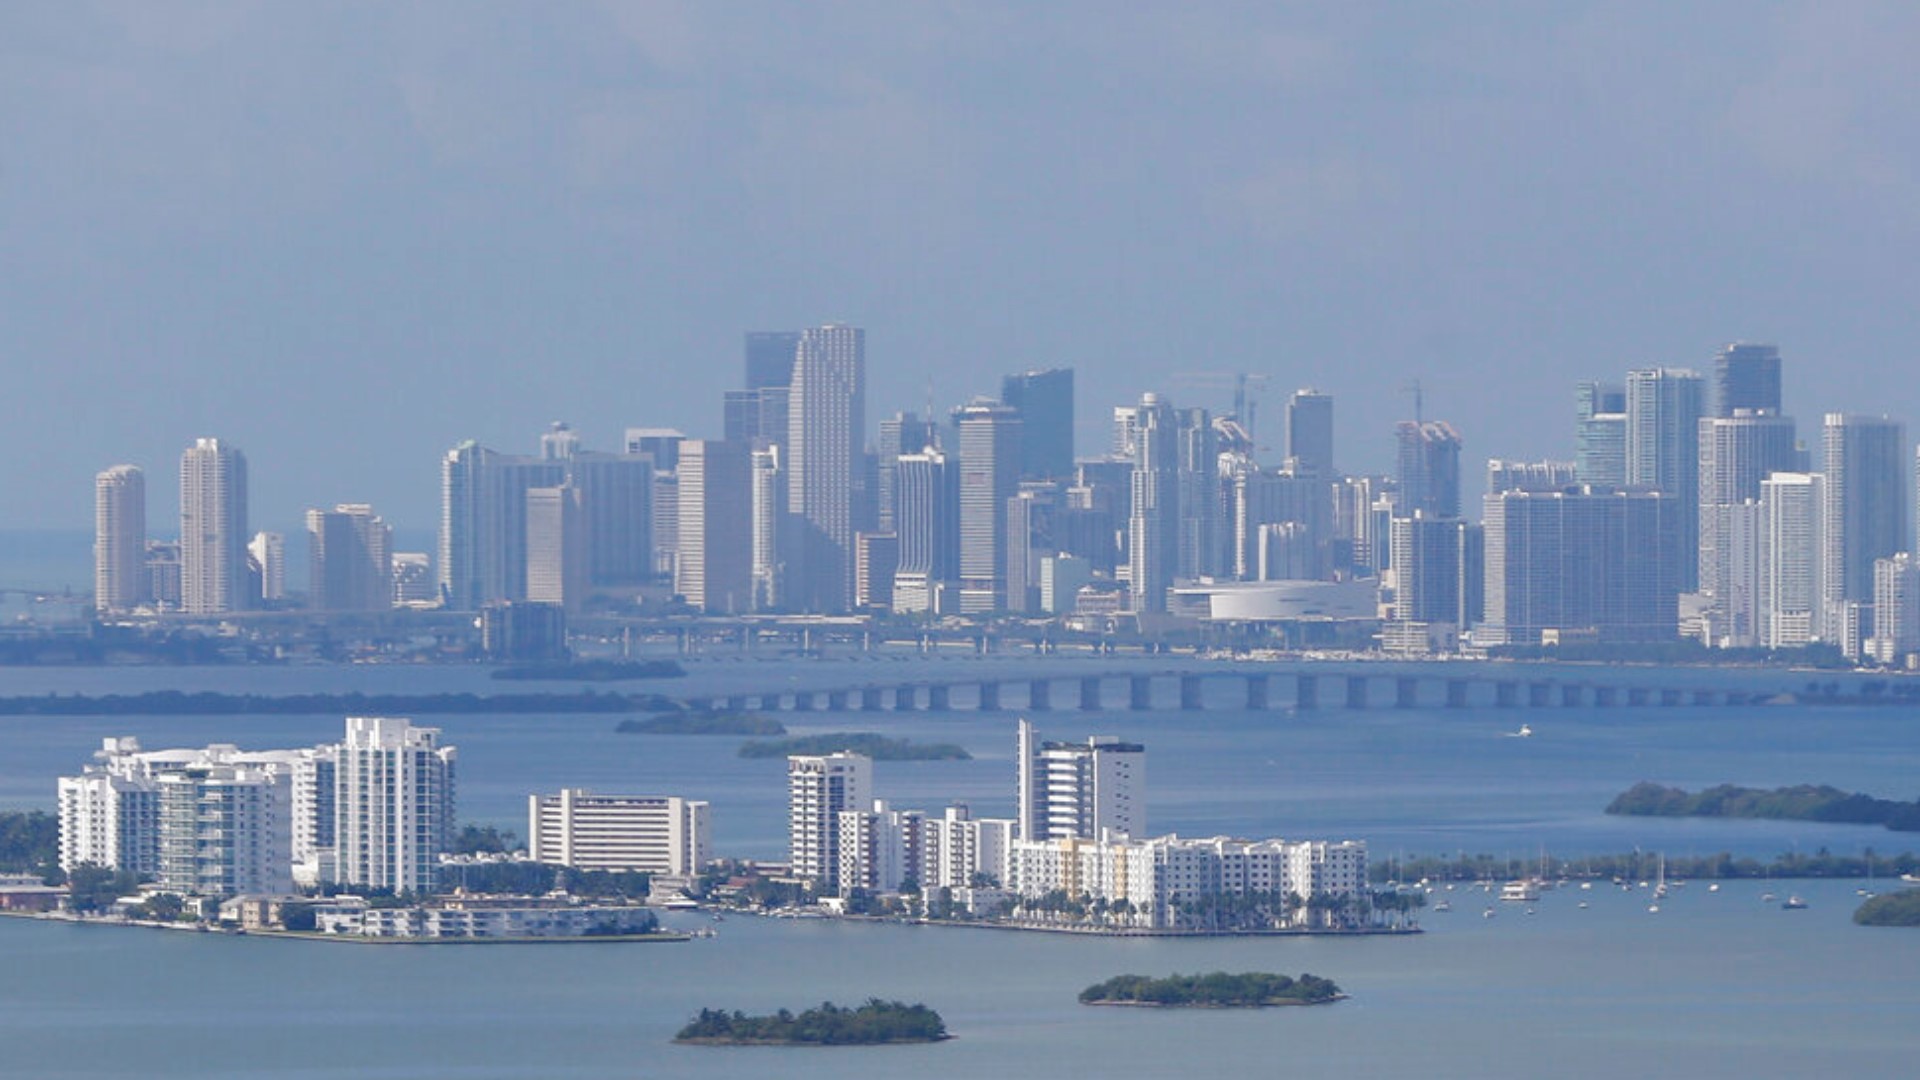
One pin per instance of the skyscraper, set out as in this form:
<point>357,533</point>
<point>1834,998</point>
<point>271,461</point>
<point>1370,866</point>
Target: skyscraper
<point>268,550</point>
<point>901,433</point>
<point>770,357</point>
<point>1310,433</point>
<point>715,567</point>
<point>1792,564</point>
<point>1600,433</point>
<point>769,511</point>
<point>1582,560</point>
<point>556,546</point>
<point>213,528</point>
<point>119,539</point>
<point>1429,468</point>
<point>350,559</point>
<point>989,436</point>
<point>1737,453</point>
<point>483,523</point>
<point>1866,507</point>
<point>819,787</point>
<point>1202,549</point>
<point>1153,526</point>
<point>1044,400</point>
<point>825,426</point>
<point>394,801</point>
<point>1426,568</point>
<point>1746,377</point>
<point>926,519</point>
<point>1663,452</point>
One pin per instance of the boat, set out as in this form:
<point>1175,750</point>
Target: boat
<point>1583,904</point>
<point>1768,898</point>
<point>1519,890</point>
<point>1525,732</point>
<point>1911,879</point>
<point>1794,903</point>
<point>1443,906</point>
<point>1487,914</point>
<point>1715,887</point>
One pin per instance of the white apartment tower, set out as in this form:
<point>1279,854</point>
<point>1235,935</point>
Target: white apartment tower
<point>1153,526</point>
<point>1080,789</point>
<point>268,550</point>
<point>1792,563</point>
<point>654,834</point>
<point>394,804</point>
<point>213,528</point>
<point>120,539</point>
<point>819,787</point>
<point>225,830</point>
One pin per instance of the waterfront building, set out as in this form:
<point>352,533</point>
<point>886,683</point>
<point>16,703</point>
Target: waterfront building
<point>394,802</point>
<point>1866,508</point>
<point>882,850</point>
<point>353,916</point>
<point>1737,453</point>
<point>825,429</point>
<point>616,496</point>
<point>959,849</point>
<point>819,787</point>
<point>926,517</point>
<point>109,819</point>
<point>1310,434</point>
<point>654,834</point>
<point>1427,579</point>
<point>715,568</point>
<point>768,500</point>
<point>1530,475</point>
<point>1792,564</point>
<point>1079,789</point>
<point>1896,611</point>
<point>1580,560</point>
<point>1173,883</point>
<point>989,435</point>
<point>1664,407</point>
<point>120,539</point>
<point>1746,377</point>
<point>213,529</point>
<point>1429,457</point>
<point>225,829</point>
<point>483,523</point>
<point>1044,401</point>
<point>350,565</point>
<point>1261,499</point>
<point>876,561</point>
<point>1153,523</point>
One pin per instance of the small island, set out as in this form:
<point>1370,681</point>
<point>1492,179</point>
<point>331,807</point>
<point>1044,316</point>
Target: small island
<point>877,1023</point>
<point>877,747</point>
<point>702,722</point>
<point>1219,990</point>
<point>1803,802</point>
<point>1890,909</point>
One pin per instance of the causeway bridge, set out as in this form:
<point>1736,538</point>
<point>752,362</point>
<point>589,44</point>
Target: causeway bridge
<point>1292,687</point>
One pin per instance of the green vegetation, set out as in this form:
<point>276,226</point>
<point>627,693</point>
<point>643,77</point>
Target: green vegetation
<point>703,723</point>
<point>1805,802</point>
<point>536,879</point>
<point>877,747</point>
<point>594,671</point>
<point>484,840</point>
<point>95,888</point>
<point>1215,991</point>
<point>208,703</point>
<point>1892,909</point>
<point>29,841</point>
<point>877,1023</point>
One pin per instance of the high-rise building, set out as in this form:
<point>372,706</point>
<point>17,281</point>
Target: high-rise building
<point>556,546</point>
<point>1737,453</point>
<point>1310,433</point>
<point>768,506</point>
<point>394,799</point>
<point>825,428</point>
<point>268,550</point>
<point>616,496</point>
<point>661,444</point>
<point>881,849</point>
<point>1204,544</point>
<point>559,442</point>
<point>1600,433</point>
<point>1866,507</point>
<point>1503,475</point>
<point>1664,407</point>
<point>1746,377</point>
<point>1044,400</point>
<point>1153,527</point>
<point>1792,564</point>
<point>901,433</point>
<point>1896,610</point>
<point>1079,789</point>
<point>412,579</point>
<point>715,565</point>
<point>1426,568</point>
<point>120,539</point>
<point>225,830</point>
<point>989,437</point>
<point>926,519</point>
<point>351,559</point>
<point>1580,561</point>
<point>213,529</point>
<point>652,834</point>
<point>770,358</point>
<point>483,523</point>
<point>1033,519</point>
<point>1429,468</point>
<point>819,787</point>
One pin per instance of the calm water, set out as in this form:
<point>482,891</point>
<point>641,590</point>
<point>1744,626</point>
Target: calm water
<point>1716,984</point>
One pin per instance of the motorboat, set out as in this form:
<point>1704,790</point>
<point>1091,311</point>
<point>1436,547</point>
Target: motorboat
<point>1794,903</point>
<point>1519,890</point>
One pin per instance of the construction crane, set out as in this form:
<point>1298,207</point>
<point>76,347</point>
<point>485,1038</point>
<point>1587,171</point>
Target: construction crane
<point>1246,391</point>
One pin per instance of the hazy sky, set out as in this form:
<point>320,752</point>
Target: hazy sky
<point>346,236</point>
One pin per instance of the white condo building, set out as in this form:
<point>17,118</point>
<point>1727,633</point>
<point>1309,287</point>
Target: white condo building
<point>120,539</point>
<point>225,829</point>
<point>881,849</point>
<point>655,834</point>
<point>1080,789</point>
<point>957,846</point>
<point>819,787</point>
<point>213,528</point>
<point>394,805</point>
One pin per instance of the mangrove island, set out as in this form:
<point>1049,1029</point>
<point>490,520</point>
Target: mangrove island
<point>877,1023</point>
<point>1219,990</point>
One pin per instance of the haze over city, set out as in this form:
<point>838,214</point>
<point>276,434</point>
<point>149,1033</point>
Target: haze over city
<point>346,239</point>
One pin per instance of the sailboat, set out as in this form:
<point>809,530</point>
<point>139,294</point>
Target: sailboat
<point>1660,889</point>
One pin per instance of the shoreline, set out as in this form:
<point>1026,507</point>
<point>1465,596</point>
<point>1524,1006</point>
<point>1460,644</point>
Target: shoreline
<point>662,937</point>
